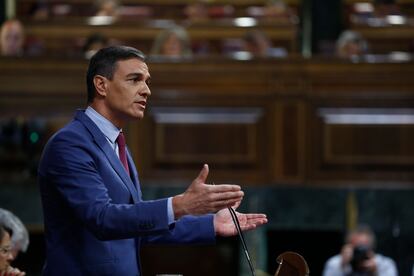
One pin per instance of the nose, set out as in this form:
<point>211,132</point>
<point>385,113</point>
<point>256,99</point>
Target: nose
<point>9,256</point>
<point>146,91</point>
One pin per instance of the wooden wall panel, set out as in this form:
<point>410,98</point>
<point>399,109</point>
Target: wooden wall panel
<point>231,139</point>
<point>368,136</point>
<point>216,135</point>
<point>363,143</point>
<point>289,126</point>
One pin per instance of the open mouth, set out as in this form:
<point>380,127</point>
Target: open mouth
<point>142,104</point>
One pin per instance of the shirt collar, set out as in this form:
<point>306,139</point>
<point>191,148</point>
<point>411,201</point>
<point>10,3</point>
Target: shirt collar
<point>108,129</point>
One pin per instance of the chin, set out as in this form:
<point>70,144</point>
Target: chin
<point>139,116</point>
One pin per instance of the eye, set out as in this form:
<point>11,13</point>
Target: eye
<point>134,80</point>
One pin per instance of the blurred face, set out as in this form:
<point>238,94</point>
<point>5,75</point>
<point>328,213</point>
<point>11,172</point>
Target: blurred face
<point>353,49</point>
<point>172,46</point>
<point>259,47</point>
<point>361,239</point>
<point>107,8</point>
<point>350,49</point>
<point>5,252</point>
<point>125,96</point>
<point>12,39</point>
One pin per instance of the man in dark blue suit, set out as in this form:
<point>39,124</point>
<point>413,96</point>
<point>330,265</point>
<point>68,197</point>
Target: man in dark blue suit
<point>95,218</point>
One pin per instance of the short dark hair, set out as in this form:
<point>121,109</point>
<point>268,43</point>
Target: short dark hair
<point>104,63</point>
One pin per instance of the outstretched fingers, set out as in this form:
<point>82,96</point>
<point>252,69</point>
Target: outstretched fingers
<point>256,216</point>
<point>253,220</point>
<point>222,188</point>
<point>226,199</point>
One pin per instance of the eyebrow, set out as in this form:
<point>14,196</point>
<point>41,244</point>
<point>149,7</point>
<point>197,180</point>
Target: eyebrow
<point>138,75</point>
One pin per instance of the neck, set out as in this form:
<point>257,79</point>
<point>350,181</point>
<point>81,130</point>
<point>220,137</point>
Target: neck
<point>105,113</point>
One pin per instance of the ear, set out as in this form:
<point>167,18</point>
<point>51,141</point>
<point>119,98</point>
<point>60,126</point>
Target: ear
<point>100,83</point>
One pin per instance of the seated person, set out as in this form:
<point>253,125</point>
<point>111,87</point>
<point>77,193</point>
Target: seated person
<point>6,255</point>
<point>107,8</point>
<point>259,45</point>
<point>20,238</point>
<point>351,44</point>
<point>12,38</point>
<point>273,9</point>
<point>172,43</point>
<point>278,9</point>
<point>39,11</point>
<point>358,258</point>
<point>94,43</point>
<point>197,11</point>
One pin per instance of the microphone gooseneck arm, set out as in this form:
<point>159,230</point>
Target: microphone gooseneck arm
<point>240,233</point>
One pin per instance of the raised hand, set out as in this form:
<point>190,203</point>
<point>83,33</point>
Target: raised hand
<point>224,226</point>
<point>11,271</point>
<point>201,198</point>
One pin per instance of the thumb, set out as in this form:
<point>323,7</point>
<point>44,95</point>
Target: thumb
<point>202,176</point>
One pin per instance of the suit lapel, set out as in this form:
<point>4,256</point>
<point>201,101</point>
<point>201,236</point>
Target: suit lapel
<point>134,174</point>
<point>113,159</point>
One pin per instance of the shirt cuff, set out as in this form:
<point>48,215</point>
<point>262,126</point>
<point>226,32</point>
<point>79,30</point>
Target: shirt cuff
<point>171,219</point>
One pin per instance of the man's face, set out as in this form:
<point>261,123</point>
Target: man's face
<point>172,46</point>
<point>12,39</point>
<point>5,252</point>
<point>127,93</point>
<point>361,239</point>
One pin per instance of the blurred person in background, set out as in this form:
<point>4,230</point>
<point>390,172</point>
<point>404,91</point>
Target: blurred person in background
<point>12,38</point>
<point>273,9</point>
<point>277,9</point>
<point>6,255</point>
<point>39,11</point>
<point>259,45</point>
<point>107,8</point>
<point>94,43</point>
<point>351,44</point>
<point>197,11</point>
<point>358,258</point>
<point>172,43</point>
<point>20,238</point>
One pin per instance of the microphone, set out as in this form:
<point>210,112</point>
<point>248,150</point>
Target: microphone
<point>240,233</point>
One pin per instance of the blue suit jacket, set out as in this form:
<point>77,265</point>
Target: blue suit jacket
<point>95,219</point>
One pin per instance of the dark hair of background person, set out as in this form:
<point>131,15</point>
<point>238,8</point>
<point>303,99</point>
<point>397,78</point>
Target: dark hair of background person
<point>95,38</point>
<point>104,63</point>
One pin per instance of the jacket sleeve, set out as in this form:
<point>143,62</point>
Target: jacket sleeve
<point>188,229</point>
